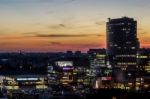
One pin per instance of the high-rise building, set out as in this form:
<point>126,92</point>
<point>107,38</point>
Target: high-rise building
<point>122,43</point>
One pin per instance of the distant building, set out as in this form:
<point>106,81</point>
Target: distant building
<point>23,70</point>
<point>98,57</point>
<point>100,73</point>
<point>143,60</point>
<point>122,43</point>
<point>97,60</point>
<point>69,53</point>
<point>69,69</point>
<point>78,53</point>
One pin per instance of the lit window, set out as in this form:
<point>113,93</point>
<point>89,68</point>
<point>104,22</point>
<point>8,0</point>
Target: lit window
<point>132,47</point>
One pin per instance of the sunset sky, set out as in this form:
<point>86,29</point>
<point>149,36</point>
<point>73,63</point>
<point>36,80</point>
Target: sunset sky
<point>61,25</point>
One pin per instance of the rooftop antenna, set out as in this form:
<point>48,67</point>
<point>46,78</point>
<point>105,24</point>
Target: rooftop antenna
<point>109,19</point>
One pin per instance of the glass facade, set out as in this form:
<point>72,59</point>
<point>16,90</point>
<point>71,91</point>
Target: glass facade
<point>122,43</point>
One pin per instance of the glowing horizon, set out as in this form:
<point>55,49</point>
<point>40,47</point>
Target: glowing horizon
<point>61,25</point>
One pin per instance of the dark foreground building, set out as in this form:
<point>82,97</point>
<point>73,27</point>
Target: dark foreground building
<point>122,43</point>
<point>122,47</point>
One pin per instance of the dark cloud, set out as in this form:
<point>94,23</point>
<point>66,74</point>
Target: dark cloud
<point>62,25</point>
<point>99,35</point>
<point>60,35</point>
<point>144,32</point>
<point>30,33</point>
<point>65,35</point>
<point>65,22</point>
<point>57,35</point>
<point>70,26</point>
<point>100,23</point>
<point>89,45</point>
<point>58,26</point>
<point>55,43</point>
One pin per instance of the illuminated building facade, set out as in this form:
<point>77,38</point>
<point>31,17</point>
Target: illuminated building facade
<point>14,82</point>
<point>122,43</point>
<point>67,71</point>
<point>60,73</point>
<point>52,75</point>
<point>100,73</point>
<point>143,60</point>
<point>97,61</point>
<point>98,57</point>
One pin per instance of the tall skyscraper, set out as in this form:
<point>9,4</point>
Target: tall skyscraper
<point>122,43</point>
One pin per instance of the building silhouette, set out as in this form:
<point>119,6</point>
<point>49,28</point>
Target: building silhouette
<point>122,43</point>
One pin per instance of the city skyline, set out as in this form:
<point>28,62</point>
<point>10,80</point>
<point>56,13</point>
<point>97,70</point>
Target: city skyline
<point>61,25</point>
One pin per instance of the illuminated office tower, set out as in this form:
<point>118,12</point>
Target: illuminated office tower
<point>122,43</point>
